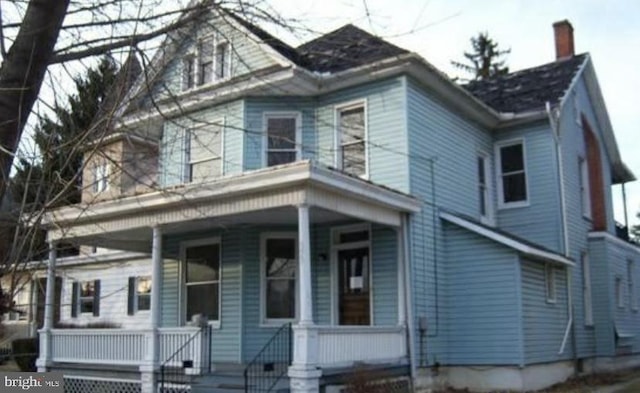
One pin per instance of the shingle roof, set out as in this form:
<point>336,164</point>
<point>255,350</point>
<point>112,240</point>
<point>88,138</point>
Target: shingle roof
<point>529,89</point>
<point>345,48</point>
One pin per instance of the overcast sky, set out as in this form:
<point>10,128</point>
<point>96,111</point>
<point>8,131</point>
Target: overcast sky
<point>439,30</point>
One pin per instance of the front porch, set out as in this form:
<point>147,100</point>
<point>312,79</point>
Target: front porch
<point>316,248</point>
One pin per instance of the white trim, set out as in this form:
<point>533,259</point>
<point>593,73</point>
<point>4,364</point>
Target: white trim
<point>618,288</point>
<point>497,151</point>
<point>136,306</point>
<point>525,249</point>
<point>218,122</point>
<point>182,271</point>
<point>631,285</point>
<point>489,217</point>
<point>353,104</point>
<point>612,238</point>
<point>550,285</point>
<point>335,248</point>
<point>585,187</point>
<point>264,236</point>
<point>297,116</point>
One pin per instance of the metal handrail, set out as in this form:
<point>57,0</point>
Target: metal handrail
<point>179,350</point>
<point>284,330</point>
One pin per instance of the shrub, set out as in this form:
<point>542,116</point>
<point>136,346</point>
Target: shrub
<point>25,352</point>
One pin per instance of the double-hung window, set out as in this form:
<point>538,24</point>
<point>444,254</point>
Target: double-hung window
<point>101,177</point>
<point>352,139</point>
<point>484,197</point>
<point>282,133</point>
<point>512,184</point>
<point>202,279</point>
<point>585,191</point>
<point>139,294</point>
<point>205,61</point>
<point>204,149</point>
<point>222,60</point>
<point>279,272</point>
<point>188,72</point>
<point>85,298</point>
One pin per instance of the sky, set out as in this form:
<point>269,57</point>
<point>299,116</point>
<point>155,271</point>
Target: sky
<point>439,30</point>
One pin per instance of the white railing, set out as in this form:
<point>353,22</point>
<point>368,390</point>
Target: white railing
<point>344,345</point>
<point>121,346</point>
<point>100,346</point>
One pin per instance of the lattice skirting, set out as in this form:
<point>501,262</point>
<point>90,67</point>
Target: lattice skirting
<point>91,385</point>
<point>174,388</point>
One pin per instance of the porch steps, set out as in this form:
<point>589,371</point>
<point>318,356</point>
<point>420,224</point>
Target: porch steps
<point>229,379</point>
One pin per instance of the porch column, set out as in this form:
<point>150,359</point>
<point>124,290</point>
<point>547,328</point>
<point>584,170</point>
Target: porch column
<point>148,370</point>
<point>402,303</point>
<point>303,374</point>
<point>44,360</point>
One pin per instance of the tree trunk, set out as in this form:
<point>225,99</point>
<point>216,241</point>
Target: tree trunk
<point>22,73</point>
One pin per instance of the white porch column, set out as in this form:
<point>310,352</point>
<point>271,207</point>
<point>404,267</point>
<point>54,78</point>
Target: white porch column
<point>152,361</point>
<point>44,360</point>
<point>402,303</point>
<point>303,373</point>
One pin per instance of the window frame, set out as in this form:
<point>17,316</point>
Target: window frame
<point>189,82</point>
<point>101,173</point>
<point>95,299</point>
<point>265,134</point>
<point>183,299</point>
<point>264,236</point>
<point>489,217</point>
<point>338,156</point>
<point>194,58</point>
<point>502,204</point>
<point>198,74</point>
<point>136,295</point>
<point>587,292</point>
<point>585,187</point>
<point>188,170</point>
<point>226,61</point>
<point>550,285</point>
<point>335,247</point>
<point>618,291</point>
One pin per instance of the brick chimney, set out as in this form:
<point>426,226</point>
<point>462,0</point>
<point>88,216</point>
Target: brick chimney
<point>563,32</point>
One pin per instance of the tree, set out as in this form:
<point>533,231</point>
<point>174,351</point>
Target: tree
<point>485,58</point>
<point>635,231</point>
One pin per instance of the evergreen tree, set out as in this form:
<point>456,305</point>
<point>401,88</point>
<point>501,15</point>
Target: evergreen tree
<point>485,58</point>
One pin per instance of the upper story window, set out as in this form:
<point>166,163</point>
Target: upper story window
<point>209,63</point>
<point>484,198</point>
<point>585,191</point>
<point>101,177</point>
<point>512,184</point>
<point>352,139</point>
<point>204,150</point>
<point>282,133</point>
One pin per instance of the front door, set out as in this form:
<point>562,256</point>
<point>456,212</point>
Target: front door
<point>353,286</point>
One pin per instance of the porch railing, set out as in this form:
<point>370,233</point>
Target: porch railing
<point>271,364</point>
<point>122,346</point>
<point>344,345</point>
<point>192,357</point>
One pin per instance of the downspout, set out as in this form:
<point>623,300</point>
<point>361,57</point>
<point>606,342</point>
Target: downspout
<point>408,293</point>
<point>555,131</point>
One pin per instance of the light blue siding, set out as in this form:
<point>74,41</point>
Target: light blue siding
<point>544,323</point>
<point>482,302</point>
<point>443,174</point>
<point>173,145</point>
<point>603,301</point>
<point>254,139</point>
<point>542,214</point>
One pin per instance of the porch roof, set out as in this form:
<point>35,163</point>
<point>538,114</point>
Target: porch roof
<point>251,194</point>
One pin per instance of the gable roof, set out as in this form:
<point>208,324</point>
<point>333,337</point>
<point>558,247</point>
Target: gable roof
<point>344,48</point>
<point>530,89</point>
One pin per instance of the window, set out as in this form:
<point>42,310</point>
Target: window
<point>484,199</point>
<point>631,284</point>
<point>222,60</point>
<point>205,61</point>
<point>188,72</point>
<point>279,267</point>
<point>100,177</point>
<point>619,292</point>
<point>585,192</point>
<point>352,154</point>
<point>513,180</point>
<point>204,150</point>
<point>282,138</point>
<point>550,282</point>
<point>202,279</point>
<point>85,298</point>
<point>139,294</point>
<point>586,290</point>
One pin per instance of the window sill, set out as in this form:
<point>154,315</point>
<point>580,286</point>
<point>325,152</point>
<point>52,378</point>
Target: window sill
<point>513,205</point>
<point>589,326</point>
<point>276,323</point>
<point>551,301</point>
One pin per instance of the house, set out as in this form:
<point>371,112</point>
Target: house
<point>346,203</point>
